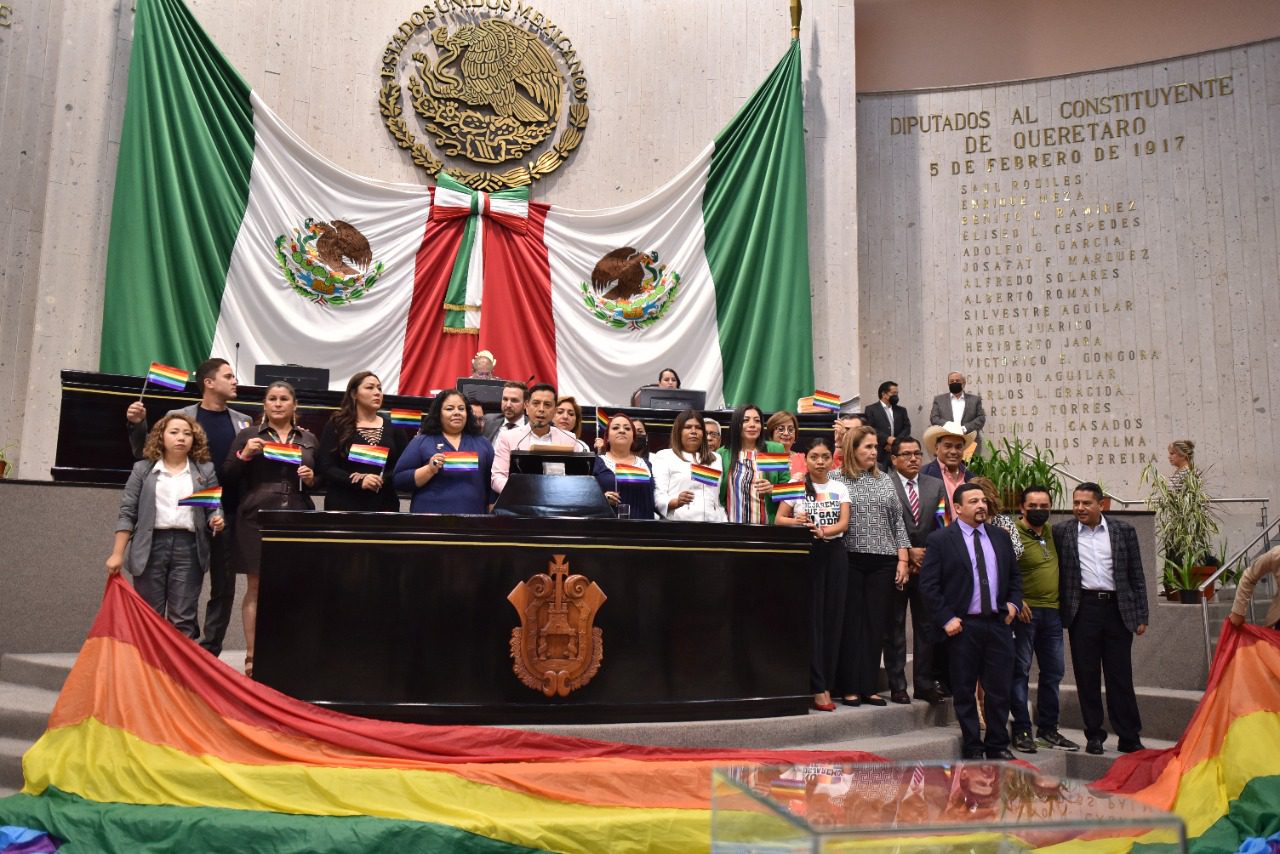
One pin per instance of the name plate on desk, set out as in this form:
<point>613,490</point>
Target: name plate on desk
<point>411,617</point>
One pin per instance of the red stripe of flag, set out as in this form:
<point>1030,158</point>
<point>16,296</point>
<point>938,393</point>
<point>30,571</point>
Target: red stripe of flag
<point>516,322</point>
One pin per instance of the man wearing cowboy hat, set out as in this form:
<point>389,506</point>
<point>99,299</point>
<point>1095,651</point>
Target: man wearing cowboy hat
<point>948,443</point>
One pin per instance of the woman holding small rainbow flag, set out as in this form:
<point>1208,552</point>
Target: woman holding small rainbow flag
<point>447,466</point>
<point>686,476</point>
<point>359,449</point>
<point>273,463</point>
<point>625,477</point>
<point>752,467</point>
<point>170,504</point>
<point>877,544</point>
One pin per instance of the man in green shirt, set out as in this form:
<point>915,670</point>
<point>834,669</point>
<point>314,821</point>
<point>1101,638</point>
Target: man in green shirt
<point>1038,629</point>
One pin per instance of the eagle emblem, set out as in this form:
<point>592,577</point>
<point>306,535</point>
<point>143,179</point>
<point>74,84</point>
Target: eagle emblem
<point>330,263</point>
<point>556,649</point>
<point>630,289</point>
<point>491,93</point>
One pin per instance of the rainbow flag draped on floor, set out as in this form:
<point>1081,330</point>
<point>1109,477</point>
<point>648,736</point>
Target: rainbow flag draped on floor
<point>1223,775</point>
<point>153,739</point>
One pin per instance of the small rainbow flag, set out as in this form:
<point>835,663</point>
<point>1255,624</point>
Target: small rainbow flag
<point>211,497</point>
<point>282,453</point>
<point>164,375</point>
<point>406,418</point>
<point>373,455</point>
<point>788,491</point>
<point>602,422</point>
<point>705,475</point>
<point>461,461</point>
<point>941,512</point>
<point>827,400</point>
<point>773,462</point>
<point>631,474</point>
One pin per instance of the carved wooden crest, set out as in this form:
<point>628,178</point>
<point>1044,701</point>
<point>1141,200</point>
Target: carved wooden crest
<point>556,649</point>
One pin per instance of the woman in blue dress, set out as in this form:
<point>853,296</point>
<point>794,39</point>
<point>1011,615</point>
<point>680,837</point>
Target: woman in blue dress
<point>441,482</point>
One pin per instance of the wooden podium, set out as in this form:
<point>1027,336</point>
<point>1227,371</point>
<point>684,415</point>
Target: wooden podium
<point>406,617</point>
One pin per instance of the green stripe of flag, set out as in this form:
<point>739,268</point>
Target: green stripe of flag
<point>757,244</point>
<point>181,188</point>
<point>91,826</point>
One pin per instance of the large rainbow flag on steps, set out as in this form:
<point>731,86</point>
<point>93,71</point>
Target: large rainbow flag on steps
<point>153,739</point>
<point>1223,775</point>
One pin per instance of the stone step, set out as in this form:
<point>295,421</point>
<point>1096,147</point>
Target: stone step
<point>11,750</point>
<point>812,731</point>
<point>46,670</point>
<point>24,710</point>
<point>1165,711</point>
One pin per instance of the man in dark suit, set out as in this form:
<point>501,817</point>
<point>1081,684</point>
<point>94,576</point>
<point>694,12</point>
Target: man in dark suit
<point>514,397</point>
<point>960,406</point>
<point>1104,604</point>
<point>889,420</point>
<point>973,589</point>
<point>919,497</point>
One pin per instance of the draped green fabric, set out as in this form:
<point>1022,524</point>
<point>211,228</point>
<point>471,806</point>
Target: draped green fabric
<point>182,183</point>
<point>757,244</point>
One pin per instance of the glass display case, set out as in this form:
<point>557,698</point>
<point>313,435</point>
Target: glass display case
<point>926,808</point>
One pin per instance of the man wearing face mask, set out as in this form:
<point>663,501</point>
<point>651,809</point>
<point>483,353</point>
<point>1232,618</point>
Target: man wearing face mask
<point>889,420</point>
<point>959,406</point>
<point>1038,629</point>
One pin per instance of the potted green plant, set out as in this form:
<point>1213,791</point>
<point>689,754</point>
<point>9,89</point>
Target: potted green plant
<point>1185,520</point>
<point>1013,465</point>
<point>1180,580</point>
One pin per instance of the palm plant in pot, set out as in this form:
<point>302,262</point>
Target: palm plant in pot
<point>1013,465</point>
<point>1186,524</point>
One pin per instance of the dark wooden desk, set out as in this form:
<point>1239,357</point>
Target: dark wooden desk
<point>406,617</point>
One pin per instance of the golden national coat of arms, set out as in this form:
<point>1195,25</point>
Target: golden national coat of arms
<point>489,82</point>
<point>556,649</point>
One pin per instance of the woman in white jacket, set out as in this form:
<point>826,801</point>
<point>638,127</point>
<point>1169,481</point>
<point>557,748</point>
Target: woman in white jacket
<point>684,493</point>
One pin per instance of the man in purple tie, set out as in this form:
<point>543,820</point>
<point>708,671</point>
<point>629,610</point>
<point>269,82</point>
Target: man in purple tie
<point>973,590</point>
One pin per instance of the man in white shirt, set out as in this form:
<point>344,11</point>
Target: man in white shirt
<point>959,406</point>
<point>514,399</point>
<point>539,431</point>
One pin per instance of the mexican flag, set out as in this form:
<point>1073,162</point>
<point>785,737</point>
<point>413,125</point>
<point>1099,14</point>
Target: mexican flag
<point>231,237</point>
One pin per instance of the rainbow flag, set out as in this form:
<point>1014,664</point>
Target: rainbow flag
<point>153,738</point>
<point>371,455</point>
<point>827,400</point>
<point>406,418</point>
<point>461,461</point>
<point>1223,775</point>
<point>167,377</point>
<point>631,474</point>
<point>705,475</point>
<point>940,513</point>
<point>211,497</point>
<point>282,453</point>
<point>788,491</point>
<point>602,422</point>
<point>773,462</point>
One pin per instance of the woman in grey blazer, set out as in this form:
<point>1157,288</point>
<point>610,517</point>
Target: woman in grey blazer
<point>163,545</point>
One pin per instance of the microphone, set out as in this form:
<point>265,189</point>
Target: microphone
<point>236,367</point>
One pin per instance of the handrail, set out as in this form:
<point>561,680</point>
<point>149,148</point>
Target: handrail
<point>1265,536</point>
<point>1227,564</point>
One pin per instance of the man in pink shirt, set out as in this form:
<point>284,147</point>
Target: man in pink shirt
<point>948,443</point>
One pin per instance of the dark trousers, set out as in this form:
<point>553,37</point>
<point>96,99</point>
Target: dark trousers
<point>923,668</point>
<point>222,588</point>
<point>829,566</point>
<point>1043,637</point>
<point>1101,645</point>
<point>866,613</point>
<point>170,583</point>
<point>983,650</point>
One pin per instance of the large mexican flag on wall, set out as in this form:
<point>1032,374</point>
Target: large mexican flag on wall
<point>227,229</point>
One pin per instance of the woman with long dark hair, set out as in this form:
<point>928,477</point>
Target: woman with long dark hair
<point>877,546</point>
<point>360,485</point>
<point>824,510</point>
<point>683,493</point>
<point>447,466</point>
<point>267,482</point>
<point>744,486</point>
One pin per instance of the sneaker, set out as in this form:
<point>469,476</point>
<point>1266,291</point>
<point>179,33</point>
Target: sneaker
<point>1054,739</point>
<point>1023,742</point>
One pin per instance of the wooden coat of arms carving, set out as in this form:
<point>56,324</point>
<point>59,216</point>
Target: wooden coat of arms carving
<point>556,649</point>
